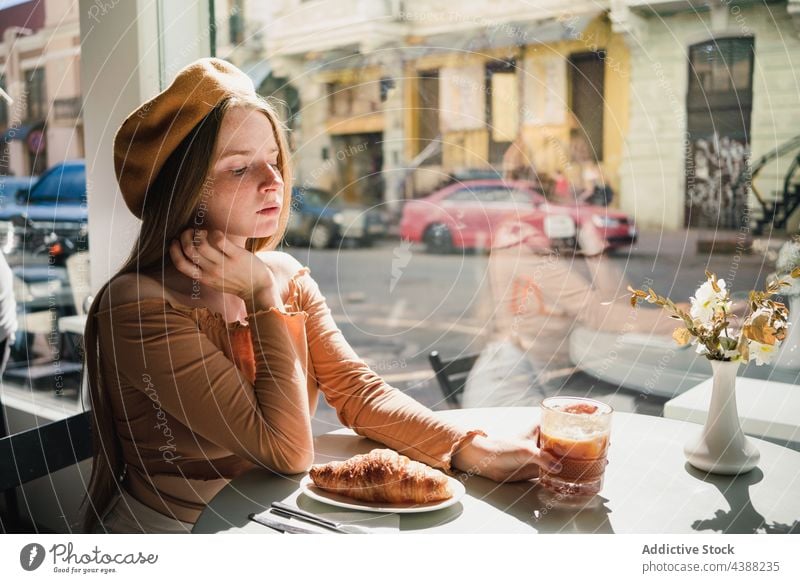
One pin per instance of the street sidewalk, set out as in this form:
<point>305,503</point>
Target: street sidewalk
<point>685,242</point>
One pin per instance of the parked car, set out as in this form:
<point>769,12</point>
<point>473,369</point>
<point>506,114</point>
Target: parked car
<point>466,216</point>
<point>49,213</point>
<point>9,188</point>
<point>10,185</point>
<point>320,221</point>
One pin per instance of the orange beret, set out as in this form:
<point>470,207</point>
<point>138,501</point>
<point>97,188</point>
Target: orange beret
<point>149,135</point>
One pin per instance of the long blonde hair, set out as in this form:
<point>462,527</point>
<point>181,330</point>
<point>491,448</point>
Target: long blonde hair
<point>172,201</point>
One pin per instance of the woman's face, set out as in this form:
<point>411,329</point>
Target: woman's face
<point>244,178</point>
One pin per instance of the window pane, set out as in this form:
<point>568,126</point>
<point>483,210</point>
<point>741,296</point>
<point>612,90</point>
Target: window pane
<point>42,138</point>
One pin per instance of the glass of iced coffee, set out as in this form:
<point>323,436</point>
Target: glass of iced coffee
<point>576,431</point>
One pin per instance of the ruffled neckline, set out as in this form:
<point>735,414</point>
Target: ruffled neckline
<point>214,318</point>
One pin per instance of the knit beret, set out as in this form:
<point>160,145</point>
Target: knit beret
<point>151,133</point>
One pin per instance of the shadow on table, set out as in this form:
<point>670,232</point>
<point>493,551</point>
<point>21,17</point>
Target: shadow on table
<point>245,502</point>
<point>423,520</point>
<point>543,511</point>
<point>742,517</point>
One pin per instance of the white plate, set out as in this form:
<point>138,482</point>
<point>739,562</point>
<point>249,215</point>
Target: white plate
<point>320,495</point>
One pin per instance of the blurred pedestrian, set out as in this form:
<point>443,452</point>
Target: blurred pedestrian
<point>596,190</point>
<point>562,192</point>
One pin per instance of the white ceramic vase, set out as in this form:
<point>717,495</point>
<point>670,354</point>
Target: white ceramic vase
<point>721,447</point>
<point>789,352</point>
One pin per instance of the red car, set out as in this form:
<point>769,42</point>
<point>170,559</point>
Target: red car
<point>466,215</point>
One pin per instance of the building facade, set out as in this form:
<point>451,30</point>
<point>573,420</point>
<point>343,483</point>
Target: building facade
<point>665,100</point>
<point>711,85</point>
<point>40,107</point>
<point>397,96</point>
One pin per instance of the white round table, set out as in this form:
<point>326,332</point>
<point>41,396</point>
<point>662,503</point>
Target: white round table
<point>649,487</point>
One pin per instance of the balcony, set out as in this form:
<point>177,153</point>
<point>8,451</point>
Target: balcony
<point>324,25</point>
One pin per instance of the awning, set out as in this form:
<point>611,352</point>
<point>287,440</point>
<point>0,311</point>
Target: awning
<point>20,132</point>
<point>510,34</point>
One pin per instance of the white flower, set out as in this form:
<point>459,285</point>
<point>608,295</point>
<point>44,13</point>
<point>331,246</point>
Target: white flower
<point>706,301</point>
<point>788,256</point>
<point>762,353</point>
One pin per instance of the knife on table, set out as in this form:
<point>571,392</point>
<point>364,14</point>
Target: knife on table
<point>283,509</point>
<point>278,525</point>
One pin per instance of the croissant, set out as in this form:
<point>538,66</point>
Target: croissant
<point>382,475</point>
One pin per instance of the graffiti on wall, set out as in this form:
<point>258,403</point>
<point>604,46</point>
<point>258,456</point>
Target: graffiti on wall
<point>716,163</point>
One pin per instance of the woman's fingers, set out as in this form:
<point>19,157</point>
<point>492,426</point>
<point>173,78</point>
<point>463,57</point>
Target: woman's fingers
<point>179,259</point>
<point>220,242</point>
<point>528,466</point>
<point>191,242</point>
<point>531,454</point>
<point>520,474</point>
<point>209,251</point>
<point>549,461</point>
<point>522,462</point>
<point>187,245</point>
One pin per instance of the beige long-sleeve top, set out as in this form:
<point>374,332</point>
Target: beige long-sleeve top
<point>538,299</point>
<point>198,400</point>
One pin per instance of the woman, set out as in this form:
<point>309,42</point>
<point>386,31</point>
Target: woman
<point>538,298</point>
<point>209,348</point>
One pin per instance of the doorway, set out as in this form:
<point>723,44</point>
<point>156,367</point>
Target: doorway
<point>587,83</point>
<point>359,165</point>
<point>718,105</point>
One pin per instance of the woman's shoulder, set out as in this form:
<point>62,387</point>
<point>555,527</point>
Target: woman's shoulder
<point>289,273</point>
<point>136,288</point>
<point>132,288</point>
<point>283,263</point>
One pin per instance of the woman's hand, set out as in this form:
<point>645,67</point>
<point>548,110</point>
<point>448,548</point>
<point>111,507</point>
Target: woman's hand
<point>212,259</point>
<point>505,460</point>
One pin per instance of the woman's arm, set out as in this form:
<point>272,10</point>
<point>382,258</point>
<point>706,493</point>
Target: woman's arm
<point>505,460</point>
<point>266,422</point>
<point>374,409</point>
<point>364,401</point>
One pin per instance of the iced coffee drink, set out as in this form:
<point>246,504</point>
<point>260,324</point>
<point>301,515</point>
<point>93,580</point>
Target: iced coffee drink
<point>576,431</point>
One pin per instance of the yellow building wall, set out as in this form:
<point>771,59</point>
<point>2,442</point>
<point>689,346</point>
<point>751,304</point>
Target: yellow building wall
<point>547,144</point>
<point>466,149</point>
<point>617,103</point>
<point>410,113</point>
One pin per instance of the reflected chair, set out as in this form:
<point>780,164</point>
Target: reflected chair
<point>452,374</point>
